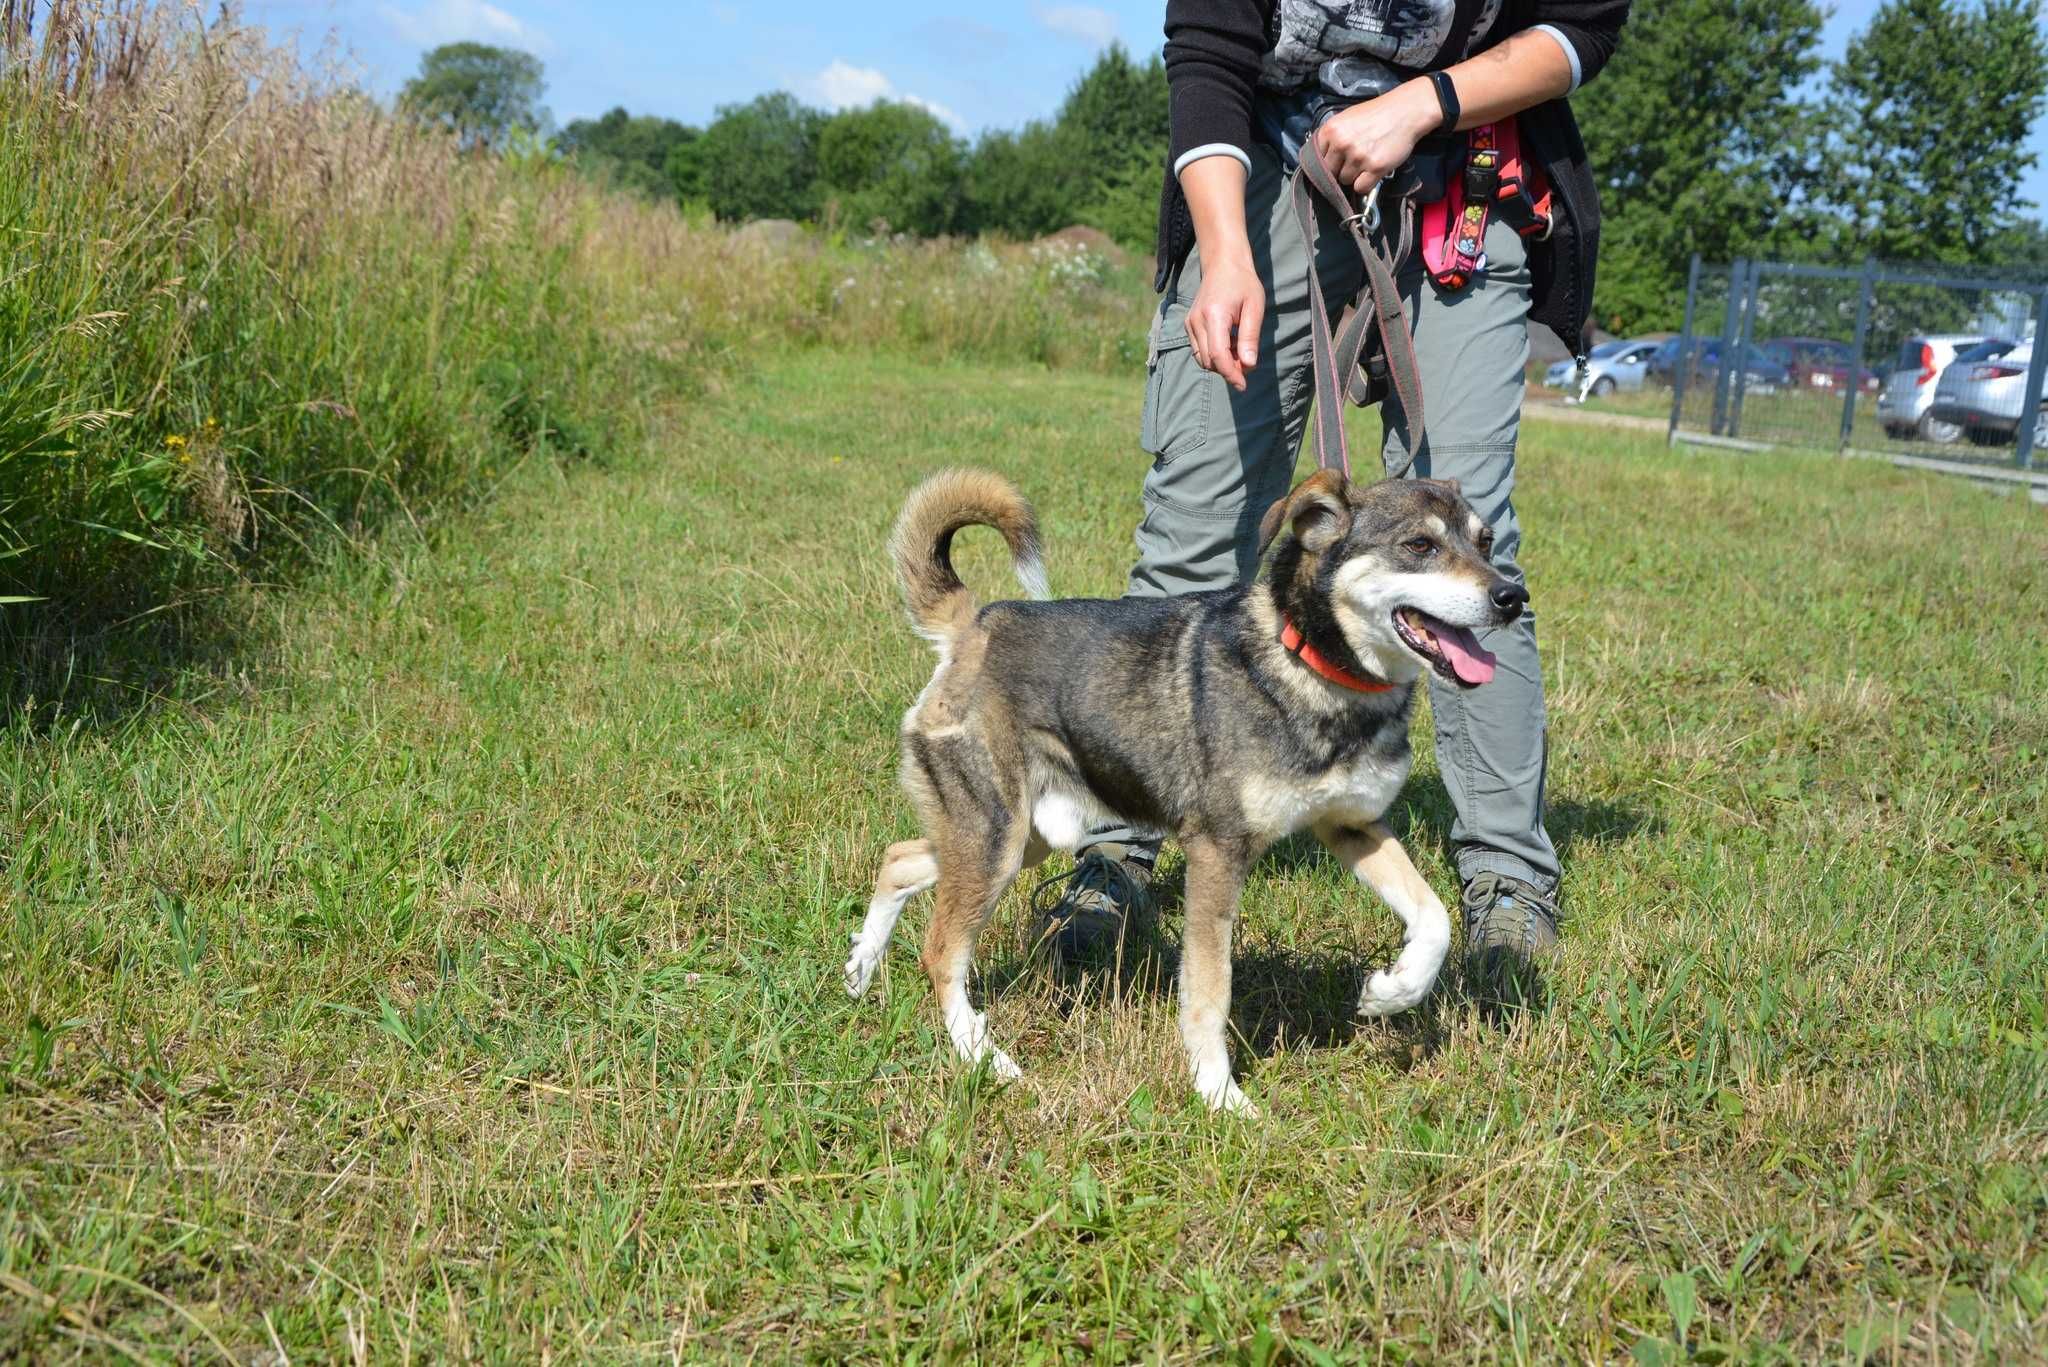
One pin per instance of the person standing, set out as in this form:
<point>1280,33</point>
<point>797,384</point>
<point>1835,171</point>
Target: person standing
<point>1396,95</point>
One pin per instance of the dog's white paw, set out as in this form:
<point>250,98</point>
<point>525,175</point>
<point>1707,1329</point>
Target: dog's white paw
<point>1231,1100</point>
<point>860,971</point>
<point>1390,992</point>
<point>969,1030</point>
<point>1220,1090</point>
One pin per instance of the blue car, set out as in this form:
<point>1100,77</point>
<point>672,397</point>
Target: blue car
<point>1764,374</point>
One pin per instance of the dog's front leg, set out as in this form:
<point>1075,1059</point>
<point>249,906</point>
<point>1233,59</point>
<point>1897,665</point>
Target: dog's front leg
<point>1382,865</point>
<point>1215,877</point>
<point>907,870</point>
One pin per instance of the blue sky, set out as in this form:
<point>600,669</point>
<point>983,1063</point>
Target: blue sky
<point>986,66</point>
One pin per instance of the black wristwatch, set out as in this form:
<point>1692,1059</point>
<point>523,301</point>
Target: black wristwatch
<point>1446,100</point>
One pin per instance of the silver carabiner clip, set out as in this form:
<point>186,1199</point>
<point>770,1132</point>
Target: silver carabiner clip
<point>1369,214</point>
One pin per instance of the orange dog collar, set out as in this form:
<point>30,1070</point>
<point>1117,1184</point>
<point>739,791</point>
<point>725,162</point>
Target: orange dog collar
<point>1297,645</point>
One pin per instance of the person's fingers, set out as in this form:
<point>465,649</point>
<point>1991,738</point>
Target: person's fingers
<point>1331,151</point>
<point>1248,324</point>
<point>1222,358</point>
<point>1196,340</point>
<point>1363,184</point>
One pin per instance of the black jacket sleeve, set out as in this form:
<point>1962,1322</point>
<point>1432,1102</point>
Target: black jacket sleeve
<point>1590,28</point>
<point>1213,51</point>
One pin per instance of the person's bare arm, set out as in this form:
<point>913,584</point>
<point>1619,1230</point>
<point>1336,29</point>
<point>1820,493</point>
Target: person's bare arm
<point>1368,141</point>
<point>1360,145</point>
<point>1230,304</point>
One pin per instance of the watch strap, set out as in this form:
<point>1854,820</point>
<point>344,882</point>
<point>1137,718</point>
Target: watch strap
<point>1446,100</point>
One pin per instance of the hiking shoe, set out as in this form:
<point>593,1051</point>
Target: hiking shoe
<point>1509,924</point>
<point>1082,911</point>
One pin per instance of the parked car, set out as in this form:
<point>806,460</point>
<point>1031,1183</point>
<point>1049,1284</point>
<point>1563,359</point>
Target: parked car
<point>1820,363</point>
<point>1983,391</point>
<point>1906,403</point>
<point>1764,373</point>
<point>1609,366</point>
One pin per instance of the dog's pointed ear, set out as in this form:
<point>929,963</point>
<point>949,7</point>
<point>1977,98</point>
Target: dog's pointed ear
<point>1450,484</point>
<point>1319,511</point>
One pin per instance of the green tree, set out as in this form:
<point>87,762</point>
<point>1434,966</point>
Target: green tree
<point>2020,252</point>
<point>1696,132</point>
<point>1020,184</point>
<point>1112,133</point>
<point>1928,113</point>
<point>628,149</point>
<point>760,159</point>
<point>480,93</point>
<point>896,163</point>
<point>688,176</point>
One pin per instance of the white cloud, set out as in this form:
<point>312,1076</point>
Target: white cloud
<point>1095,26</point>
<point>435,22</point>
<point>843,85</point>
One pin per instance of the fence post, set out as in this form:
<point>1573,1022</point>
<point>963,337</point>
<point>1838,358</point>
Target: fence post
<point>1742,342</point>
<point>1684,366</point>
<point>1855,385</point>
<point>1738,277</point>
<point>2030,407</point>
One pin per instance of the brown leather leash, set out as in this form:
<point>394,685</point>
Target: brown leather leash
<point>1376,312</point>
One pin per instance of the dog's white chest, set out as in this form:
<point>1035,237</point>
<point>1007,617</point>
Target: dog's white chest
<point>1360,792</point>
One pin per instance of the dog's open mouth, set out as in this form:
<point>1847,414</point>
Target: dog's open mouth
<point>1453,652</point>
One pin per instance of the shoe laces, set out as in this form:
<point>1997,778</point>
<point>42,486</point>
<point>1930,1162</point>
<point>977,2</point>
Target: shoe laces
<point>1114,886</point>
<point>1487,891</point>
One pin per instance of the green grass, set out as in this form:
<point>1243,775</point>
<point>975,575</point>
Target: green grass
<point>1802,419</point>
<point>457,973</point>
<point>249,316</point>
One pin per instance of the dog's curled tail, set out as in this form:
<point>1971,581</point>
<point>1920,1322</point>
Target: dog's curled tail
<point>922,545</point>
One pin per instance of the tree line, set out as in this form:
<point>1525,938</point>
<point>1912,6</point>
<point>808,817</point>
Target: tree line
<point>1718,128</point>
<point>899,167</point>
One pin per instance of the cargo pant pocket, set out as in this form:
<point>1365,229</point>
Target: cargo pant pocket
<point>1178,393</point>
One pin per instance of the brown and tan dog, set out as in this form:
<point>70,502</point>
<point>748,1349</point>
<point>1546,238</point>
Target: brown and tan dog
<point>1228,719</point>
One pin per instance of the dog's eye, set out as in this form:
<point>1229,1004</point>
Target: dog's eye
<point>1421,545</point>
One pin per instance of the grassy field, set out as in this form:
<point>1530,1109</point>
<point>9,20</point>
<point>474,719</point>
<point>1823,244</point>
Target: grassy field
<point>247,315</point>
<point>455,971</point>
<point>1799,419</point>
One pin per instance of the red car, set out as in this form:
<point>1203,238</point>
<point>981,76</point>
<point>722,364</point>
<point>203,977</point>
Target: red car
<point>1819,363</point>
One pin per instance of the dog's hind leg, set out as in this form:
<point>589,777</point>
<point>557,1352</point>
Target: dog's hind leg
<point>970,882</point>
<point>1215,877</point>
<point>1382,865</point>
<point>907,869</point>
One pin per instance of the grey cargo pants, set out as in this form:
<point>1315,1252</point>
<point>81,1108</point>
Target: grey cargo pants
<point>1221,458</point>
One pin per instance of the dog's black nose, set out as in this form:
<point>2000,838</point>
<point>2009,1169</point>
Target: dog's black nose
<point>1510,598</point>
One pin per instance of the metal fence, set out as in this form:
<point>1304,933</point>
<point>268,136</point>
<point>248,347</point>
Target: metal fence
<point>1891,361</point>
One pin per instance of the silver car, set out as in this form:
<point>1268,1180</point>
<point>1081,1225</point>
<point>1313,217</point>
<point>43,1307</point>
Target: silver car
<point>1609,366</point>
<point>1905,405</point>
<point>1983,391</point>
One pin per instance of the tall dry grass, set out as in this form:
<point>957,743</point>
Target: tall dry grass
<point>248,312</point>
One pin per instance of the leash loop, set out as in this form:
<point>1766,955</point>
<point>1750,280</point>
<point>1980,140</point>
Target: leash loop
<point>1376,311</point>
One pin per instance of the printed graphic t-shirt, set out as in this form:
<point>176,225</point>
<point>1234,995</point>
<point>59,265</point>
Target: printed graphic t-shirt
<point>1352,50</point>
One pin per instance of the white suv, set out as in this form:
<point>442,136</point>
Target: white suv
<point>1908,395</point>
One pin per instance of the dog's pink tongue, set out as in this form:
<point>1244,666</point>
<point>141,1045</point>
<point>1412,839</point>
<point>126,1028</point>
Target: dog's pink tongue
<point>1471,661</point>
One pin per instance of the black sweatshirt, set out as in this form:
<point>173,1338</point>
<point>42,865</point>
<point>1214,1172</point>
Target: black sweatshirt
<point>1220,52</point>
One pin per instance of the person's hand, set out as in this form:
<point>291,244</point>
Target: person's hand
<point>1366,143</point>
<point>1223,320</point>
